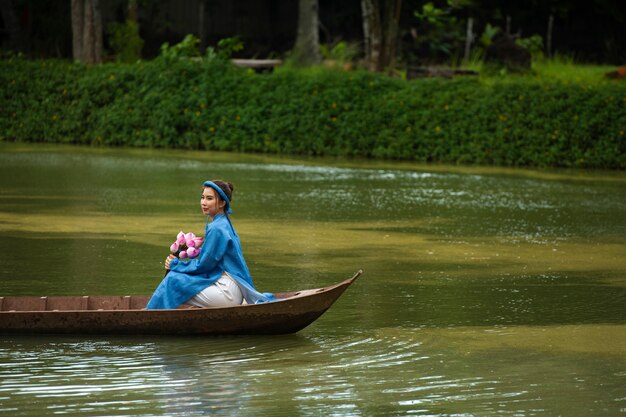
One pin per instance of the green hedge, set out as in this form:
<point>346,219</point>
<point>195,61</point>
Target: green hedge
<point>210,105</point>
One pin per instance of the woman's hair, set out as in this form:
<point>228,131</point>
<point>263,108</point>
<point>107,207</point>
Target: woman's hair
<point>227,187</point>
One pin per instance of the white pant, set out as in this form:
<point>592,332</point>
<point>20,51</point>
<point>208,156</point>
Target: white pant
<point>224,293</point>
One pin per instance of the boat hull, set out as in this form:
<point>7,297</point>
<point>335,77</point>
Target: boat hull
<point>289,314</point>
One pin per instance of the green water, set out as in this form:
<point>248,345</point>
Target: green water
<point>486,292</point>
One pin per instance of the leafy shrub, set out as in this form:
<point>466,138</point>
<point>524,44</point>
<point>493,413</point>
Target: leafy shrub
<point>226,47</point>
<point>440,33</point>
<point>341,51</point>
<point>210,105</point>
<point>187,48</point>
<point>534,45</point>
<point>125,41</point>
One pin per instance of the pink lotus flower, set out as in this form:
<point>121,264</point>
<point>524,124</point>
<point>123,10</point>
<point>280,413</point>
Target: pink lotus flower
<point>186,245</point>
<point>194,243</point>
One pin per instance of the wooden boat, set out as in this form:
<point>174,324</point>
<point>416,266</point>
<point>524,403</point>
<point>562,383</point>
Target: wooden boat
<point>291,312</point>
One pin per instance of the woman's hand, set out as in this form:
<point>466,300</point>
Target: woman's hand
<point>168,260</point>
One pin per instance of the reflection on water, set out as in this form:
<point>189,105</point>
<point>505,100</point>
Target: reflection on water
<point>484,293</point>
<point>389,371</point>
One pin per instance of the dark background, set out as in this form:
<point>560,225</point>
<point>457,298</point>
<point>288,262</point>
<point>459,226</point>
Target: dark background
<point>588,31</point>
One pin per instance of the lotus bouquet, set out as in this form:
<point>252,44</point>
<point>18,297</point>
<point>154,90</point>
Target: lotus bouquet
<point>186,245</point>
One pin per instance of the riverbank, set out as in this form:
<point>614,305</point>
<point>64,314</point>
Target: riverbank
<point>514,121</point>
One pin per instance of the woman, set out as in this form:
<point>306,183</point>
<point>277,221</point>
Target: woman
<point>218,277</point>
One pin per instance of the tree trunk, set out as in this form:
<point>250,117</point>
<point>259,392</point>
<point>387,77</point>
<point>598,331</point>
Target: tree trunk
<point>98,31</point>
<point>12,25</point>
<point>380,28</point>
<point>78,14</point>
<point>371,32</point>
<point>89,55</point>
<point>365,12</point>
<point>368,16</point>
<point>392,22</point>
<point>306,50</point>
<point>469,38</point>
<point>87,31</point>
<point>133,11</point>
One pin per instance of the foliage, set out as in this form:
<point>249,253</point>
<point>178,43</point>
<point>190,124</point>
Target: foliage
<point>534,45</point>
<point>486,38</point>
<point>440,32</point>
<point>225,48</point>
<point>187,48</point>
<point>563,69</point>
<point>125,41</point>
<point>341,51</point>
<point>210,105</point>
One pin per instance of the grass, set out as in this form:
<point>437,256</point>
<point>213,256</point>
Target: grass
<point>566,70</point>
<point>559,69</point>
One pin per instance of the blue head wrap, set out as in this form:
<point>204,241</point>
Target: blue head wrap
<point>221,193</point>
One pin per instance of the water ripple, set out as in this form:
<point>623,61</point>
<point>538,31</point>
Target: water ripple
<point>391,371</point>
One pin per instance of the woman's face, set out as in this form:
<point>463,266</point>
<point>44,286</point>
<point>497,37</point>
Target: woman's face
<point>211,204</point>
